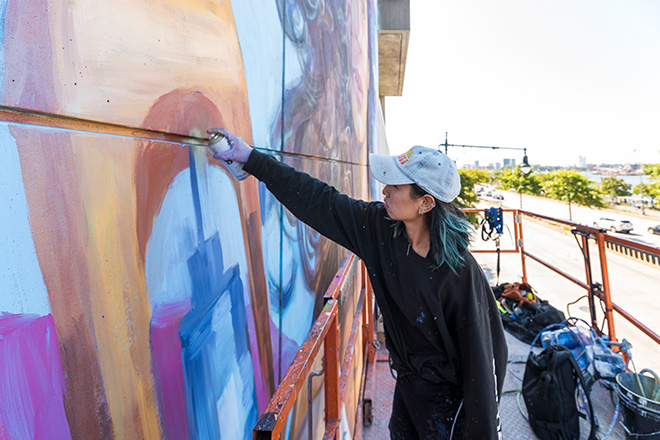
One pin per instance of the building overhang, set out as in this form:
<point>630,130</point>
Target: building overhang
<point>393,34</point>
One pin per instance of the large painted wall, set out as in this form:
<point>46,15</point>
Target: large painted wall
<point>144,293</point>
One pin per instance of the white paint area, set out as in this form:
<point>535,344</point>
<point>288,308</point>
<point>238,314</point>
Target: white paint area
<point>22,287</point>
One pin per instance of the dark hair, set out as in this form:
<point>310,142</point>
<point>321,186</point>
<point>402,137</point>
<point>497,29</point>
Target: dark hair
<point>449,231</point>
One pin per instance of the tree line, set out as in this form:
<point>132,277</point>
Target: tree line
<point>566,185</point>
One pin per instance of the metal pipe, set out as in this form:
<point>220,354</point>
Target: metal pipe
<point>553,268</point>
<point>588,275</point>
<point>310,412</point>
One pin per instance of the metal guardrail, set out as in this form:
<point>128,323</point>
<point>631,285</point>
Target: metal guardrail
<point>325,333</point>
<point>603,240</point>
<point>650,258</point>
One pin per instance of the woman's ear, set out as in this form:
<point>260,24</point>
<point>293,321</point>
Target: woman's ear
<point>428,203</point>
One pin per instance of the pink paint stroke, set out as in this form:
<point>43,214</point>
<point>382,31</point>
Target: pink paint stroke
<point>31,380</point>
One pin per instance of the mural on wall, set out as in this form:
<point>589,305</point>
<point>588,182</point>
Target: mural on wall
<point>144,293</point>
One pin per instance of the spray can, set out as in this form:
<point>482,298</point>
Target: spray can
<point>220,144</point>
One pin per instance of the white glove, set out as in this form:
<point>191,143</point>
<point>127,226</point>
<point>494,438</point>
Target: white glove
<point>239,151</point>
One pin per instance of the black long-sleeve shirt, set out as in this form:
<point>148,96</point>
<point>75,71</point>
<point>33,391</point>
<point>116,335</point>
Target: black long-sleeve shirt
<point>441,325</point>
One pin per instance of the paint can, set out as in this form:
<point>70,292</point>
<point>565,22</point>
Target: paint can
<point>221,144</point>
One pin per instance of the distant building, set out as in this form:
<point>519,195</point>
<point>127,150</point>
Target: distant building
<point>582,161</point>
<point>509,163</point>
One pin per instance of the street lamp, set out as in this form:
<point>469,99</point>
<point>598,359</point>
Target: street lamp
<point>525,167</point>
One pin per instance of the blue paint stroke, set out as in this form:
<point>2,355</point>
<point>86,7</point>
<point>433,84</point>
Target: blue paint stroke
<point>195,190</point>
<point>217,365</point>
<point>216,356</point>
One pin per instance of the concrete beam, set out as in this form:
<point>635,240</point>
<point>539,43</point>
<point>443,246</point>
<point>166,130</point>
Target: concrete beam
<point>393,35</point>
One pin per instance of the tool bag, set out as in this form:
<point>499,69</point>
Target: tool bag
<point>549,390</point>
<point>524,315</point>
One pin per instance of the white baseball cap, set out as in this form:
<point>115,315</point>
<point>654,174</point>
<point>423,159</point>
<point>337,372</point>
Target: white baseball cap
<point>429,168</point>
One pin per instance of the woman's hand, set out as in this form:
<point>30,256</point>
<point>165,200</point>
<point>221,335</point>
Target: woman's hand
<point>238,151</point>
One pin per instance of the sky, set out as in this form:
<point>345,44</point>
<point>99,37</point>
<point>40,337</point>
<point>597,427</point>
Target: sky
<point>562,78</point>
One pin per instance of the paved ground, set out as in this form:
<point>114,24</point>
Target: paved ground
<point>512,407</point>
<point>634,285</point>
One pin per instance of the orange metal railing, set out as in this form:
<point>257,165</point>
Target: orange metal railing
<point>325,333</point>
<point>602,293</point>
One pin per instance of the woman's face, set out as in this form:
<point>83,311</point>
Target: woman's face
<point>400,204</point>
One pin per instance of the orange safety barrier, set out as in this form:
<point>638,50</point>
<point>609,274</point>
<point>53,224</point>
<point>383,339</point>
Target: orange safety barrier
<point>603,294</point>
<point>326,333</point>
<point>326,330</point>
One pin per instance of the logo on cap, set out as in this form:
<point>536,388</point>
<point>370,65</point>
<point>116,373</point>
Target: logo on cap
<point>403,158</point>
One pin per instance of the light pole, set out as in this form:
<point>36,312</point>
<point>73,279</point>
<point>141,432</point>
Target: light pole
<point>525,162</point>
<point>525,168</point>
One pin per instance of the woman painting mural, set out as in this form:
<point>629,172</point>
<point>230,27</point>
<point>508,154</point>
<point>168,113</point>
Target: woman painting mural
<point>442,326</point>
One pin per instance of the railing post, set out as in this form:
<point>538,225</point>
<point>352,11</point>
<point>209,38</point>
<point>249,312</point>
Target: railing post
<point>369,330</point>
<point>370,320</point>
<point>331,367</point>
<point>609,316</point>
<point>520,243</point>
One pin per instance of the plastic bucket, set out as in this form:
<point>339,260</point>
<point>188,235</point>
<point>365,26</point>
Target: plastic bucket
<point>641,415</point>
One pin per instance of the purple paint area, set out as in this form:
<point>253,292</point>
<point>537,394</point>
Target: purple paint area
<point>289,351</point>
<point>168,367</point>
<point>31,380</point>
<point>260,387</point>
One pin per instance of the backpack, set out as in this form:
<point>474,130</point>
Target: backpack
<point>549,385</point>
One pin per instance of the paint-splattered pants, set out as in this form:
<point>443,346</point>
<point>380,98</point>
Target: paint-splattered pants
<point>425,410</point>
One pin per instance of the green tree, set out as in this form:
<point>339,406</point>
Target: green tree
<point>615,187</point>
<point>653,171</point>
<point>647,190</point>
<point>573,188</point>
<point>515,180</point>
<point>467,198</point>
<point>651,189</point>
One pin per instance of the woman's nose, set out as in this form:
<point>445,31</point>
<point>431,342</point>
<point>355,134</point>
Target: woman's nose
<point>385,189</point>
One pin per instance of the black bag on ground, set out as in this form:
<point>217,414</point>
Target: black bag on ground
<point>527,320</point>
<point>549,389</point>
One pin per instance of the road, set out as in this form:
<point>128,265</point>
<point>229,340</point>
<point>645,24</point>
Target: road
<point>583,215</point>
<point>634,285</point>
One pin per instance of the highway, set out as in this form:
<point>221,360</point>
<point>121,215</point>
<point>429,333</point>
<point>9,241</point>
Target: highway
<point>634,285</point>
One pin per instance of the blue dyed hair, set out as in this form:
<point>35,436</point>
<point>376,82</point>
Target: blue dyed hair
<point>449,231</point>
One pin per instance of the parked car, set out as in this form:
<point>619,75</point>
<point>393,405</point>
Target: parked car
<point>614,225</point>
<point>655,229</point>
<point>498,196</point>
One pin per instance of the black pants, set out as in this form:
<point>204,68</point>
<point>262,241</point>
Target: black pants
<point>425,410</point>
